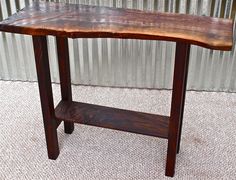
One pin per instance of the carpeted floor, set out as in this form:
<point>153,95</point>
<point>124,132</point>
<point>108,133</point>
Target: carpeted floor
<point>207,151</point>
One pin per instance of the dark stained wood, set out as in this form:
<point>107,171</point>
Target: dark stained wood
<point>82,21</point>
<point>45,90</point>
<point>183,98</point>
<point>58,123</point>
<point>64,72</point>
<point>177,105</point>
<point>124,120</point>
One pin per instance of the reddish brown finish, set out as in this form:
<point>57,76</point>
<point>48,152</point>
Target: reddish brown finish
<point>64,72</point>
<point>45,90</point>
<point>76,21</point>
<point>183,97</point>
<point>80,21</point>
<point>177,105</point>
<point>124,120</point>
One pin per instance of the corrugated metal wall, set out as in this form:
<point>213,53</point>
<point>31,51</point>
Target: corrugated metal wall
<point>129,63</point>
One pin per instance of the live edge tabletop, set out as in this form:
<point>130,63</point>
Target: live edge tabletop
<point>75,21</point>
<point>81,21</point>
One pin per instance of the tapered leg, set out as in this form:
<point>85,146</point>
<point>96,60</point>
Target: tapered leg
<point>46,97</point>
<point>184,94</point>
<point>64,71</point>
<point>178,94</point>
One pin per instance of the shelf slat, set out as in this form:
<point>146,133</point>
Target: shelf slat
<point>112,118</point>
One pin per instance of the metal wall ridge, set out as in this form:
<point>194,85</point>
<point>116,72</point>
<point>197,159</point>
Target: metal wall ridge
<point>125,63</point>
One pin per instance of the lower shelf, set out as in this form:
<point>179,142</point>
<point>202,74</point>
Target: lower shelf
<point>112,118</point>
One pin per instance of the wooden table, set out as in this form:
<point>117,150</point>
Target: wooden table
<point>80,21</point>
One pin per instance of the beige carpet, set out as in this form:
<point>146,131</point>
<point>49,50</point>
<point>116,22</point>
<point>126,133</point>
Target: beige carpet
<point>207,151</point>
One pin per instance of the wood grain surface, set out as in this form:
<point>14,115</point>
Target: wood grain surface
<point>82,21</point>
<point>112,118</point>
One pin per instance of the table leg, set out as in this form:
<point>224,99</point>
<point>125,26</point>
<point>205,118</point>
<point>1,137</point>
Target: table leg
<point>183,103</point>
<point>64,71</point>
<point>46,97</point>
<point>178,95</point>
